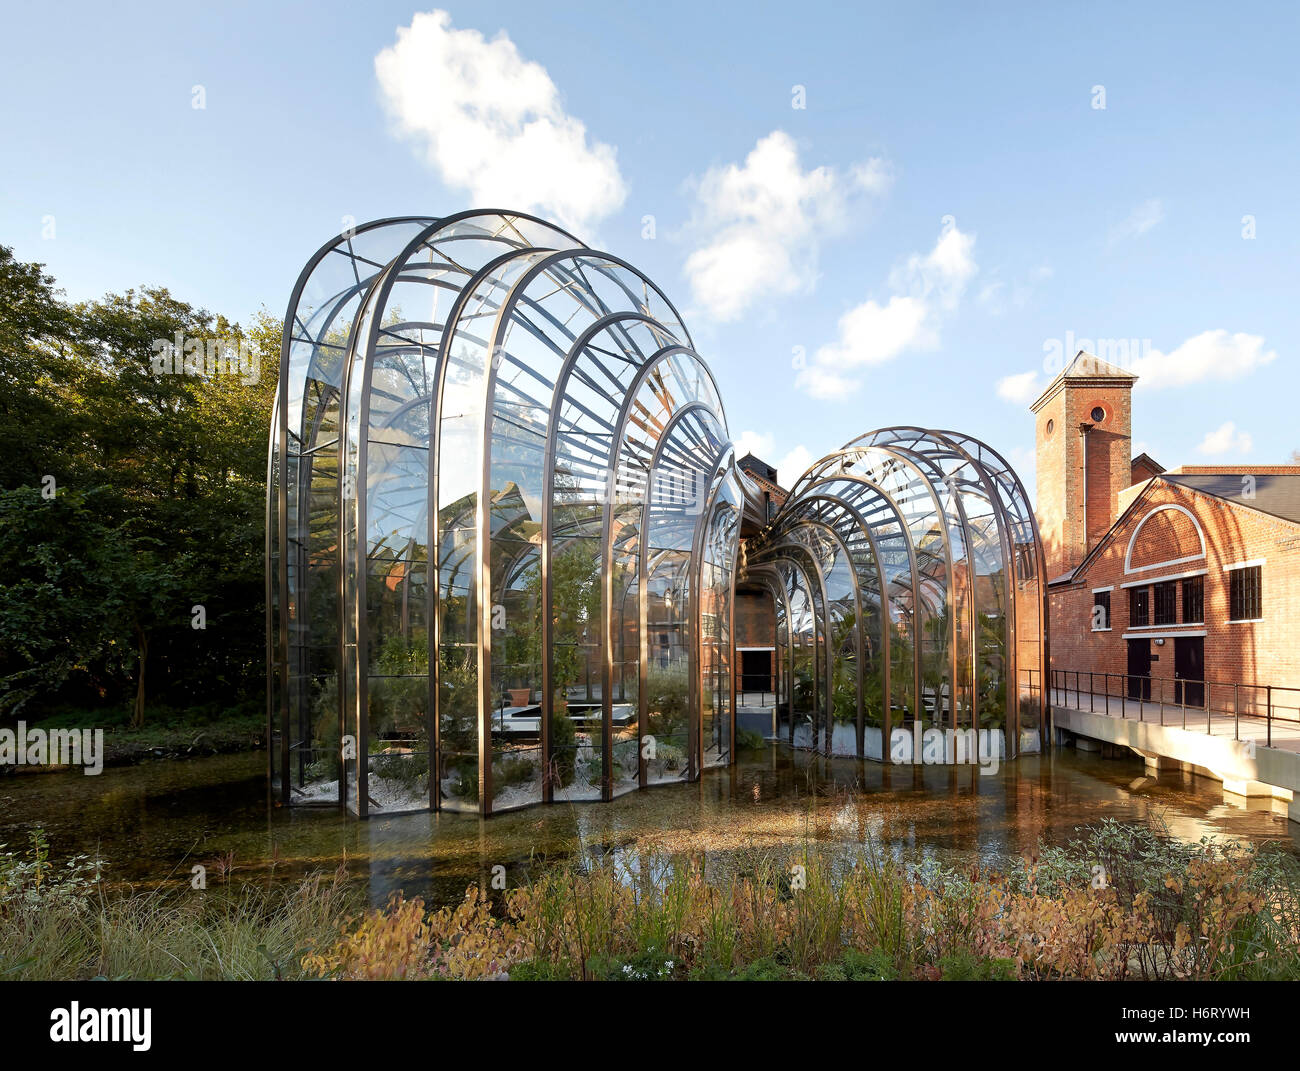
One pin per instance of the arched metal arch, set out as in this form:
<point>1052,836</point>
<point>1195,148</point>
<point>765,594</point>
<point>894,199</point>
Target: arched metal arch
<point>413,538</point>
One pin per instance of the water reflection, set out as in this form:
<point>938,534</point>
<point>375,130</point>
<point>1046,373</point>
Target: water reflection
<point>154,821</point>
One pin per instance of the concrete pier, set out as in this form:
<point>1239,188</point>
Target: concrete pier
<point>1230,750</point>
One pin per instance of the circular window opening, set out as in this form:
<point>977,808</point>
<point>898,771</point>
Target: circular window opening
<point>1051,427</point>
<point>1098,414</point>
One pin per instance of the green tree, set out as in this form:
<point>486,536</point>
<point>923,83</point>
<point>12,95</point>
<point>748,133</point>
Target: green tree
<point>37,373</point>
<point>158,498</point>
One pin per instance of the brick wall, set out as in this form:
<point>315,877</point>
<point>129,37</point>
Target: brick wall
<point>1164,535</point>
<point>1264,652</point>
<point>1070,528</point>
<point>755,626</point>
<point>755,619</point>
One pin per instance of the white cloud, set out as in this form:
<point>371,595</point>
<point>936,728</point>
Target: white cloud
<point>926,286</point>
<point>1225,439</point>
<point>794,465</point>
<point>824,384</point>
<point>763,446</point>
<point>1023,387</point>
<point>1147,215</point>
<point>760,224</point>
<point>491,123</point>
<point>943,272</point>
<point>1208,356</point>
<point>875,176</point>
<point>758,443</point>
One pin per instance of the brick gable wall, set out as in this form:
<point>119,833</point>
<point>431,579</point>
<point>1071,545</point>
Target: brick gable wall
<point>1264,652</point>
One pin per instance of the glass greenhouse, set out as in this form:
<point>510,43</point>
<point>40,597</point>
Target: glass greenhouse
<point>506,525</point>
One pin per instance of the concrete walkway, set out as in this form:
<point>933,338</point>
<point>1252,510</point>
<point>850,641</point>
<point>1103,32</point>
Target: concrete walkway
<point>1251,759</point>
<point>1284,735</point>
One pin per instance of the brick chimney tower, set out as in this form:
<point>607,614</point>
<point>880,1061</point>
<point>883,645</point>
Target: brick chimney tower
<point>1083,439</point>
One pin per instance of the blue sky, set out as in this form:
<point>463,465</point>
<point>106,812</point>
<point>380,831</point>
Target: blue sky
<point>949,210</point>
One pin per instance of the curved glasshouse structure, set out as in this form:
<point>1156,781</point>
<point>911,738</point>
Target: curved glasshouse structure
<point>908,582</point>
<point>504,534</point>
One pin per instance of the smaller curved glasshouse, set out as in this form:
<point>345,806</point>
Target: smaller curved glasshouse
<point>507,530</point>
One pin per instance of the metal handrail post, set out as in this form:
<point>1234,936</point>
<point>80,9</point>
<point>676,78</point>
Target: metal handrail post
<point>1268,693</point>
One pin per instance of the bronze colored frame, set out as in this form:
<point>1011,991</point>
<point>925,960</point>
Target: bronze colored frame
<point>437,376</point>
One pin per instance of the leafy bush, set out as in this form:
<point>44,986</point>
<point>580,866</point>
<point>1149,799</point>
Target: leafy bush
<point>513,771</point>
<point>539,970</point>
<point>564,748</point>
<point>649,965</point>
<point>409,771</point>
<point>964,967</point>
<point>1169,911</point>
<point>29,882</point>
<point>464,780</point>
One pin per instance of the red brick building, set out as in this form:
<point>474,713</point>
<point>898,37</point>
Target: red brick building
<point>1178,576</point>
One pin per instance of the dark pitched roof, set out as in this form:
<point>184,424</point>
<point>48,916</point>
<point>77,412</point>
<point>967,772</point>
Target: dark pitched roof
<point>1149,461</point>
<point>1273,492</point>
<point>756,466</point>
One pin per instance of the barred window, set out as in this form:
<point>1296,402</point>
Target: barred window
<point>1139,602</point>
<point>1194,600</point>
<point>1100,610</point>
<point>1166,600</point>
<point>1245,595</point>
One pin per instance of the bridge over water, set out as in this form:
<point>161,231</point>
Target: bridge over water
<point>1245,736</point>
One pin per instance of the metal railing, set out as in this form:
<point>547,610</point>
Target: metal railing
<point>756,690</point>
<point>1192,702</point>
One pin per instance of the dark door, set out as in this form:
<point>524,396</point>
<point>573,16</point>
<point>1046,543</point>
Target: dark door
<point>1189,670</point>
<point>1139,669</point>
<point>756,671</point>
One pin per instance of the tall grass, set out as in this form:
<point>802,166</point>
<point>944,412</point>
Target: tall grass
<point>66,925</point>
<point>1120,903</point>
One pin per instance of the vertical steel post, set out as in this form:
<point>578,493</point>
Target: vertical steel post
<point>1268,693</point>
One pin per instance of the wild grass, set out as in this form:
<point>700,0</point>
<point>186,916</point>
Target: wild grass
<point>1121,902</point>
<point>64,923</point>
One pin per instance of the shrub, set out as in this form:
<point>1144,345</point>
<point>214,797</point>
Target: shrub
<point>964,967</point>
<point>513,771</point>
<point>1166,911</point>
<point>564,748</point>
<point>68,926</point>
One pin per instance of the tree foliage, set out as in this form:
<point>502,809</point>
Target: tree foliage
<point>128,497</point>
